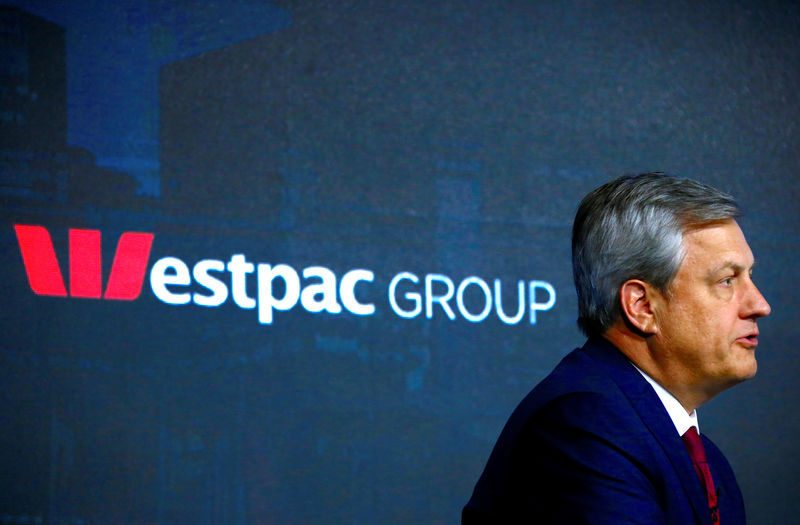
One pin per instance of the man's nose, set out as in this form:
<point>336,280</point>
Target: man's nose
<point>756,306</point>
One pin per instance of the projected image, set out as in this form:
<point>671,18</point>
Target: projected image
<point>295,262</point>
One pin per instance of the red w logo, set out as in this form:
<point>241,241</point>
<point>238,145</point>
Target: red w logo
<point>85,268</point>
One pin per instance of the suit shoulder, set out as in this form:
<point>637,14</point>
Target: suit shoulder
<point>581,453</point>
<point>577,380</point>
<point>575,406</point>
<point>575,438</point>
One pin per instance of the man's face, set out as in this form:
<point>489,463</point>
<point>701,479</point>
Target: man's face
<point>707,323</point>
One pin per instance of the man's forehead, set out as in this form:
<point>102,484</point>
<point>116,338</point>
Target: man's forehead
<point>720,244</point>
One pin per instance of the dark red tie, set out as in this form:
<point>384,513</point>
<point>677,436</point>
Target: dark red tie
<point>693,443</point>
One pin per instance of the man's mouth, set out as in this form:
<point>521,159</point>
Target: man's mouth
<point>750,339</point>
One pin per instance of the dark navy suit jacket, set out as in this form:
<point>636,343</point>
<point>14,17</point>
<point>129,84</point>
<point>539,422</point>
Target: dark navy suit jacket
<point>593,444</point>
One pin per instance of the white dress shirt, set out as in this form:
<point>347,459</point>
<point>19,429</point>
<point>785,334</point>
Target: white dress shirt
<point>680,418</point>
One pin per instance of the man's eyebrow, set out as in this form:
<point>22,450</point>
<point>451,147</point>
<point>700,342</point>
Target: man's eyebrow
<point>736,267</point>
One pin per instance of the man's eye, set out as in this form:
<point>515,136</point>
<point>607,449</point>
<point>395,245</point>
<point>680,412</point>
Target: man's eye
<point>728,281</point>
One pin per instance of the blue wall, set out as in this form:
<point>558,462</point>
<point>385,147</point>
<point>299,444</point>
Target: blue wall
<point>447,140</point>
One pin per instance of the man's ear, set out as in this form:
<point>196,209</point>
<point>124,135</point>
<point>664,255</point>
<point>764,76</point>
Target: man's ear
<point>636,299</point>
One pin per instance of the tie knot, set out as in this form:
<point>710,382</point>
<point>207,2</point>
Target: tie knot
<point>693,443</point>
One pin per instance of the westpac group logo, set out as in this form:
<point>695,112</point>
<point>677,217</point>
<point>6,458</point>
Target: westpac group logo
<point>280,287</point>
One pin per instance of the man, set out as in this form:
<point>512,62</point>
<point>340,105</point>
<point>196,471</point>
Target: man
<point>666,298</point>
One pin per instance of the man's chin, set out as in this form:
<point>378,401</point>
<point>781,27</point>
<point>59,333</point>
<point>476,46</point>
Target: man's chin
<point>741,373</point>
<point>746,371</point>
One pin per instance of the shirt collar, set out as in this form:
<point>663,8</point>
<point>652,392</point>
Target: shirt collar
<point>677,413</point>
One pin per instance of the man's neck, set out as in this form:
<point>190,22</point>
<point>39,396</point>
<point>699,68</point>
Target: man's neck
<point>636,348</point>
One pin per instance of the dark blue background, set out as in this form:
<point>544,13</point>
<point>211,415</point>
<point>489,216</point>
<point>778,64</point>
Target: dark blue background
<point>431,137</point>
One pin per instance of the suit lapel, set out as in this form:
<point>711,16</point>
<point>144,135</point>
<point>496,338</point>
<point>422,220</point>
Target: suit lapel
<point>655,417</point>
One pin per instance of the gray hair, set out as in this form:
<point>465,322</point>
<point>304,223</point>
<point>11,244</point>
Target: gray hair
<point>632,228</point>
